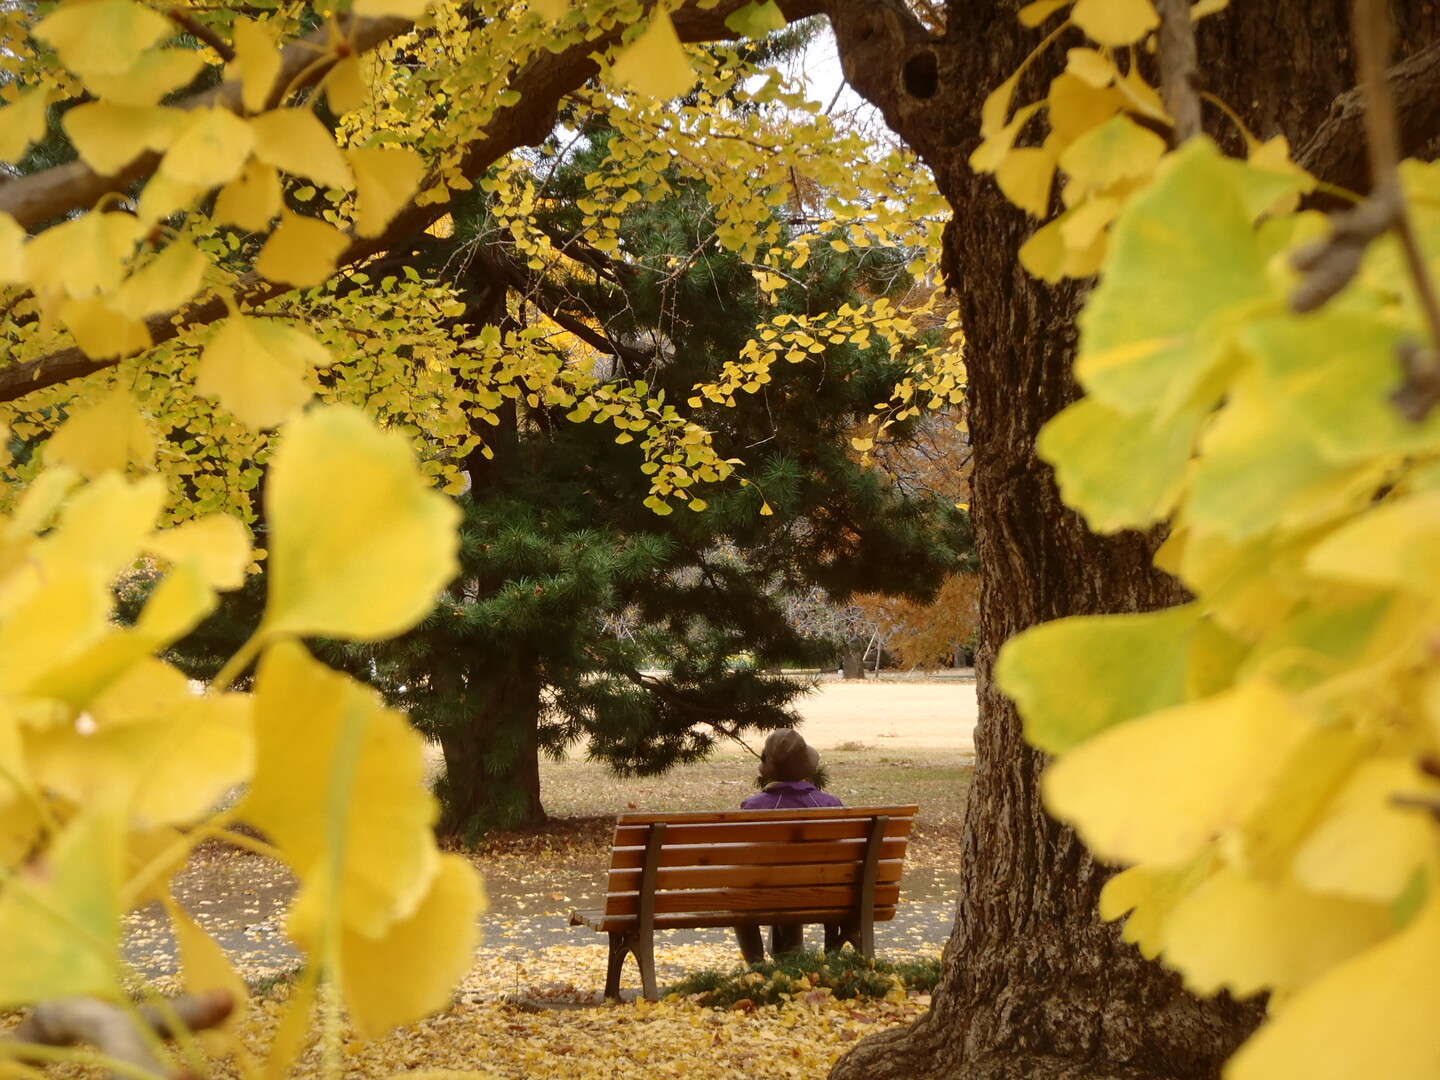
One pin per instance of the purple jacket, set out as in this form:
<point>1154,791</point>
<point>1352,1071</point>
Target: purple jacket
<point>790,795</point>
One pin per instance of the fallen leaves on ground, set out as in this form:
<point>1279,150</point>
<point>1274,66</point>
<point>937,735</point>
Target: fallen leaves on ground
<point>513,1039</point>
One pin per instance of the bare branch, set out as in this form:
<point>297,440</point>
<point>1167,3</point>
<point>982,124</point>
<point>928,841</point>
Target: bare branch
<point>198,30</point>
<point>1336,151</point>
<point>1179,67</point>
<point>112,1029</point>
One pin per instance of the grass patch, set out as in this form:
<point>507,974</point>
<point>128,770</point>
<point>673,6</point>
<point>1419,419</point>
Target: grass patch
<point>853,746</point>
<point>265,985</point>
<point>846,974</point>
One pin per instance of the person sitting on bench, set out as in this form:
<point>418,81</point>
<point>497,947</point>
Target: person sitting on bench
<point>787,764</point>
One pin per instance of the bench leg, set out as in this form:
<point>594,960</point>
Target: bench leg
<point>752,945</point>
<point>645,957</point>
<point>619,946</point>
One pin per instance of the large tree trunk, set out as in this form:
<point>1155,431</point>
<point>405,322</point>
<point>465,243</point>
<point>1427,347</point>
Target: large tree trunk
<point>1034,984</point>
<point>492,763</point>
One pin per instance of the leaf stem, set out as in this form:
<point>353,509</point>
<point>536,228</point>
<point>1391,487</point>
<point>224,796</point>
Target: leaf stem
<point>237,664</point>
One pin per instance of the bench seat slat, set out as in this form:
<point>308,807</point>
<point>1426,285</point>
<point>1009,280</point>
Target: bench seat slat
<point>766,854</point>
<point>691,817</point>
<point>780,831</point>
<point>698,920</point>
<point>705,877</point>
<point>754,899</point>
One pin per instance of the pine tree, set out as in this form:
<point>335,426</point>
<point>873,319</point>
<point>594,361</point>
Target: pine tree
<point>581,615</point>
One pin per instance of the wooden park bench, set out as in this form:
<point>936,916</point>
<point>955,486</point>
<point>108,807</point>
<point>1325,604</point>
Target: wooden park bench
<point>838,866</point>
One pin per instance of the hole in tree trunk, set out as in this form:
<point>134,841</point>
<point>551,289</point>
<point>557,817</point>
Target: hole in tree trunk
<point>921,75</point>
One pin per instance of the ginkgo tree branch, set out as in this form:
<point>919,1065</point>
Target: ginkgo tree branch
<point>1337,151</point>
<point>542,85</point>
<point>113,1030</point>
<point>40,197</point>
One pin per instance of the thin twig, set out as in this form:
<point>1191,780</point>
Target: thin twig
<point>1179,68</point>
<point>201,32</point>
<point>1372,47</point>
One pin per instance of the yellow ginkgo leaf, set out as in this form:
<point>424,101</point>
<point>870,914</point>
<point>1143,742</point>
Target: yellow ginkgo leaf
<point>1243,935</point>
<point>205,967</point>
<point>654,64</point>
<point>75,888</point>
<point>211,149</point>
<point>153,75</point>
<point>175,607</point>
<point>1091,66</point>
<point>1158,788</point>
<point>259,369</point>
<point>326,745</point>
<point>403,9</point>
<point>1077,107</point>
<point>83,256</point>
<point>102,528</point>
<point>360,542</point>
<point>1374,1016</point>
<point>110,434</point>
<point>551,10</point>
<point>101,37</point>
<point>143,691</point>
<point>164,195</point>
<point>412,971</point>
<point>20,821</point>
<point>217,545</point>
<point>301,251</point>
<point>1037,11</point>
<point>258,58</point>
<point>345,87</point>
<point>1116,150</point>
<point>251,200</point>
<point>100,330</point>
<point>164,283</point>
<point>386,178</point>
<point>1366,846</point>
<point>75,680</point>
<point>1024,176</point>
<point>1148,896</point>
<point>996,146</point>
<point>1393,546</point>
<point>22,122</point>
<point>166,769</point>
<point>1115,22</point>
<point>296,142</point>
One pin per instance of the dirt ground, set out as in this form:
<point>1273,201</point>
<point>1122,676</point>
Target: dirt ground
<point>902,713</point>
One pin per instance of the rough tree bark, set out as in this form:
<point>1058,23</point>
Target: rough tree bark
<point>1034,984</point>
<point>492,765</point>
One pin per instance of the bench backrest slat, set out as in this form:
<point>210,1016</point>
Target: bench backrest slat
<point>688,817</point>
<point>763,854</point>
<point>769,898</point>
<point>783,829</point>
<point>709,877</point>
<point>759,860</point>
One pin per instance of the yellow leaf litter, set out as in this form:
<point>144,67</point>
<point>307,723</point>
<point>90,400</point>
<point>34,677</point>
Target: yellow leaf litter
<point>495,1025</point>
